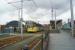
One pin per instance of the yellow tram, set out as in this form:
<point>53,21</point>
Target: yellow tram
<point>33,29</point>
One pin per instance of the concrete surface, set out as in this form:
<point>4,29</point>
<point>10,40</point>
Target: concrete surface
<point>61,41</point>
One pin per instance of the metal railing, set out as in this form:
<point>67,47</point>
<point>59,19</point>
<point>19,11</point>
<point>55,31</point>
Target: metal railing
<point>37,46</point>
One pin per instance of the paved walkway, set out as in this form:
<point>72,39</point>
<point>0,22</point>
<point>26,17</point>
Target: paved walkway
<point>61,41</point>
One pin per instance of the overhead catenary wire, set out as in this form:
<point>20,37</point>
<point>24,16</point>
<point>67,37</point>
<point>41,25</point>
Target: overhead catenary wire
<point>35,3</point>
<point>52,9</point>
<point>21,11</point>
<point>21,15</point>
<point>11,3</point>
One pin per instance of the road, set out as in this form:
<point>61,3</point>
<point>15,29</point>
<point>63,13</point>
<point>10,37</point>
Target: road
<point>16,46</point>
<point>61,41</point>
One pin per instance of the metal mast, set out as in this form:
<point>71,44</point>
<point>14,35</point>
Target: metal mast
<point>55,18</point>
<point>21,19</point>
<point>52,13</point>
<point>72,17</point>
<point>11,3</point>
<point>21,13</point>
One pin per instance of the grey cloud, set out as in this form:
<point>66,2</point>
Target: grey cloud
<point>59,5</point>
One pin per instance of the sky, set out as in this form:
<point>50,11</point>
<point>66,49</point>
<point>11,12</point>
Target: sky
<point>38,11</point>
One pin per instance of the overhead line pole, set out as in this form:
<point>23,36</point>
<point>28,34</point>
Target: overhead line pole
<point>72,17</point>
<point>21,15</point>
<point>18,18</point>
<point>51,6</point>
<point>52,13</point>
<point>21,18</point>
<point>18,11</point>
<point>55,18</point>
